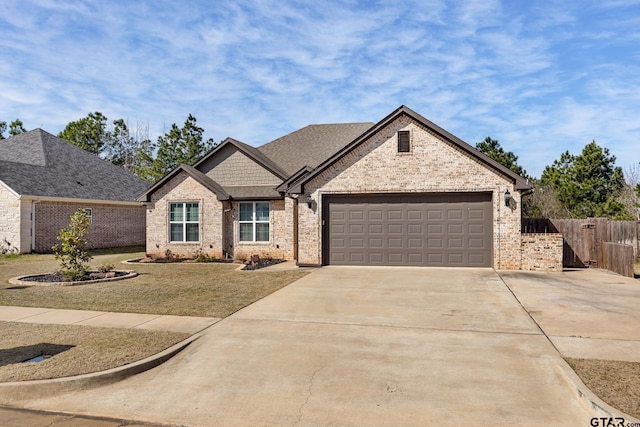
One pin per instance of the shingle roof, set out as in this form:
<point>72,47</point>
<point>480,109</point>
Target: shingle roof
<point>311,145</point>
<point>251,192</point>
<point>36,163</point>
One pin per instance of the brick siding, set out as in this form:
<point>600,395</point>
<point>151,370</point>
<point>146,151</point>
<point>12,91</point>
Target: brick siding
<point>433,165</point>
<point>112,225</point>
<point>542,252</point>
<point>183,188</point>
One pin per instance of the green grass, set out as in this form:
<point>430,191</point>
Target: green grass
<point>209,290</point>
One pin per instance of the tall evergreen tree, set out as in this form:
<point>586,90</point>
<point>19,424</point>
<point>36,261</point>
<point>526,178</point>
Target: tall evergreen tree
<point>89,133</point>
<point>16,127</point>
<point>588,184</point>
<point>492,148</point>
<point>179,146</point>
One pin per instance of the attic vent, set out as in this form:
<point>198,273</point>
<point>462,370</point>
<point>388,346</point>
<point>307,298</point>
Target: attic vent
<point>403,141</point>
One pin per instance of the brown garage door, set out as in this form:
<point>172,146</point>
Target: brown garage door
<point>425,230</point>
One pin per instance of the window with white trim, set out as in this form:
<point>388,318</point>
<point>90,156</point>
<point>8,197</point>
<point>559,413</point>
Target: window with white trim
<point>184,222</point>
<point>254,221</point>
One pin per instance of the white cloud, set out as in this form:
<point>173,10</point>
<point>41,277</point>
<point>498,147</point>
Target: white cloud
<point>541,79</point>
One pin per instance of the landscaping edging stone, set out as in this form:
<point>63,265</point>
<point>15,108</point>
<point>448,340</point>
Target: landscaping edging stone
<point>20,280</point>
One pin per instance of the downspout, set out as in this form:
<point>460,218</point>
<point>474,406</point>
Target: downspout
<point>295,228</point>
<point>33,224</point>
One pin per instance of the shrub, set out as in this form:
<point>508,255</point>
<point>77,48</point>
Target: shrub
<point>72,249</point>
<point>105,268</point>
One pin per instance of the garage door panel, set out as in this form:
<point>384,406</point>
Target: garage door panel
<point>424,229</point>
<point>455,228</point>
<point>376,243</point>
<point>356,228</point>
<point>394,228</point>
<point>415,243</point>
<point>376,228</point>
<point>414,229</point>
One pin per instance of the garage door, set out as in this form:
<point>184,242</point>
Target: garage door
<point>422,230</point>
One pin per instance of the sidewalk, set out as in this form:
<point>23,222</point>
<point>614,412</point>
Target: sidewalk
<point>186,324</point>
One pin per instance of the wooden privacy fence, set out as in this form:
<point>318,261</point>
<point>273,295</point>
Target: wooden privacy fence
<point>618,258</point>
<point>584,241</point>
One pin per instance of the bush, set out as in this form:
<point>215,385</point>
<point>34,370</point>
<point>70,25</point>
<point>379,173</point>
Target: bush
<point>72,249</point>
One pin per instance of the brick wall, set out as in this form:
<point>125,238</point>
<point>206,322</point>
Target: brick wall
<point>10,220</point>
<point>433,165</point>
<point>112,225</point>
<point>542,252</point>
<point>183,188</point>
<point>280,243</point>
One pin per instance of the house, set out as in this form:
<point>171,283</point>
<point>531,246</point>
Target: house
<point>402,191</point>
<point>44,180</point>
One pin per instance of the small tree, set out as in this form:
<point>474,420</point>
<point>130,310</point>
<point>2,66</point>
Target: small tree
<point>72,250</point>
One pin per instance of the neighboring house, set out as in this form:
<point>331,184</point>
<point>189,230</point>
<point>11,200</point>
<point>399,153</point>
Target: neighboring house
<point>402,191</point>
<point>44,180</point>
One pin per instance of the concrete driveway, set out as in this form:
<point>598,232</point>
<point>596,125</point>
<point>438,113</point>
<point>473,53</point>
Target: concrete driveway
<point>357,346</point>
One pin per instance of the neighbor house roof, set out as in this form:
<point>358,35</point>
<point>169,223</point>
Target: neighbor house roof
<point>520,182</point>
<point>39,164</point>
<point>311,145</point>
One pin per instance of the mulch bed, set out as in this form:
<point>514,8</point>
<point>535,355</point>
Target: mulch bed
<point>262,264</point>
<point>58,277</point>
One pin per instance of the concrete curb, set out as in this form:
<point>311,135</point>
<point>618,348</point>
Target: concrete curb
<point>587,398</point>
<point>20,280</point>
<point>18,391</point>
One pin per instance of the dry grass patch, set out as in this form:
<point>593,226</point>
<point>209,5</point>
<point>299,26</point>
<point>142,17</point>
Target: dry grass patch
<point>615,382</point>
<point>80,349</point>
<point>209,290</point>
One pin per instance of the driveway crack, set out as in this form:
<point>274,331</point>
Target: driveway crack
<point>309,394</point>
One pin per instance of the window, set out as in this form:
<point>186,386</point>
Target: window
<point>403,141</point>
<point>88,213</point>
<point>184,222</point>
<point>254,221</point>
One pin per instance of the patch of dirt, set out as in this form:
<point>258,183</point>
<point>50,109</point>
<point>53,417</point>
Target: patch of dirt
<point>615,382</point>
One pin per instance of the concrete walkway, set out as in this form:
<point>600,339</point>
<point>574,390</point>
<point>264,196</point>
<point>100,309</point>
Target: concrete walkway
<point>587,313</point>
<point>366,346</point>
<point>187,324</point>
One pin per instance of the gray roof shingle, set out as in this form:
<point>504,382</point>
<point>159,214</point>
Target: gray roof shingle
<point>36,163</point>
<point>311,145</point>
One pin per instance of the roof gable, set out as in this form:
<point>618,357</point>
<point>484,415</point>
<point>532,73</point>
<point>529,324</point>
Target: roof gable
<point>37,163</point>
<point>198,176</point>
<point>247,150</point>
<point>520,182</point>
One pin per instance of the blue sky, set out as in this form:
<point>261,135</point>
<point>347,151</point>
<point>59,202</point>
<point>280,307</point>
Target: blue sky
<point>542,77</point>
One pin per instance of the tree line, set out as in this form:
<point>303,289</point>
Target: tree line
<point>582,185</point>
<point>130,147</point>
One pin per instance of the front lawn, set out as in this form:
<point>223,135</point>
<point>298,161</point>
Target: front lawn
<point>208,289</point>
